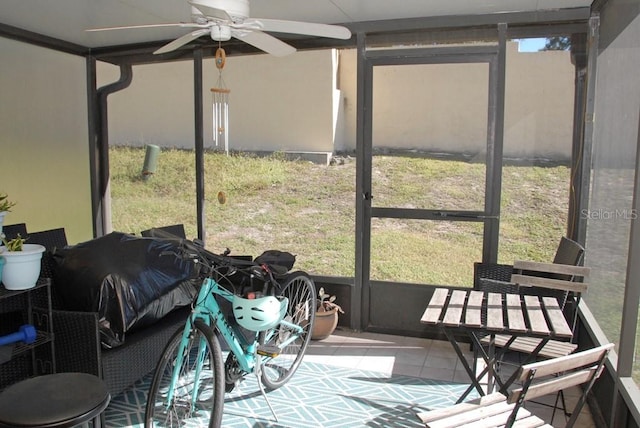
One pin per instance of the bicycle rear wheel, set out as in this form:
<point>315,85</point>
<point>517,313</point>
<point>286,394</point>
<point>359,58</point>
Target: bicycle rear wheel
<point>299,289</point>
<point>198,394</point>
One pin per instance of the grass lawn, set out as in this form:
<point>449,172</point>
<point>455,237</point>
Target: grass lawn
<point>309,209</point>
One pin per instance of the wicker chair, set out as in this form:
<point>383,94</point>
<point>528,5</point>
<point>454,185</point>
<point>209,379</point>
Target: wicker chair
<point>569,252</point>
<point>77,334</point>
<point>50,239</point>
<point>494,276</point>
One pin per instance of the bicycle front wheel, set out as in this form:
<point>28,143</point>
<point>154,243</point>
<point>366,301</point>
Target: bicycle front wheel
<point>299,289</point>
<point>196,396</point>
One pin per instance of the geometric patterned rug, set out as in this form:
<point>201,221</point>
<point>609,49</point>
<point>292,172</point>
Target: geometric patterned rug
<point>318,395</point>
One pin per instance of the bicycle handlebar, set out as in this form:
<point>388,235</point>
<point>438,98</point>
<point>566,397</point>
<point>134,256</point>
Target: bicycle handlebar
<point>194,250</point>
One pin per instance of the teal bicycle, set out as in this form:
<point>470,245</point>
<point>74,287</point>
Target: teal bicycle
<point>262,314</point>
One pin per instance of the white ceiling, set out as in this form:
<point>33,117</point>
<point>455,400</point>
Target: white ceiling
<point>68,19</point>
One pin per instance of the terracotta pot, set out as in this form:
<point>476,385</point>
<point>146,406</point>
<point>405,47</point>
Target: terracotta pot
<point>324,324</point>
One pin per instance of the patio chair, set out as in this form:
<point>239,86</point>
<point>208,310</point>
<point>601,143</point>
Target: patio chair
<point>564,282</point>
<point>50,239</point>
<point>569,252</point>
<point>562,279</point>
<point>538,379</point>
<point>529,282</point>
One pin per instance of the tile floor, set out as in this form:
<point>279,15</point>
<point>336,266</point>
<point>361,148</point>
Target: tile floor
<point>413,357</point>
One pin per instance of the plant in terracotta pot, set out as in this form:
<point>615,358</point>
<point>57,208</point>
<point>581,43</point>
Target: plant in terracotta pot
<point>22,263</point>
<point>326,316</point>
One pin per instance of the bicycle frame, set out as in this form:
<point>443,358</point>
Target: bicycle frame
<point>207,309</point>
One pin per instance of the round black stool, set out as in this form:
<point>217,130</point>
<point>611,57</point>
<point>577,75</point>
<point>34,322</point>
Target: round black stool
<point>56,400</point>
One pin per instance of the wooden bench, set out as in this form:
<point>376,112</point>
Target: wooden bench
<point>538,379</point>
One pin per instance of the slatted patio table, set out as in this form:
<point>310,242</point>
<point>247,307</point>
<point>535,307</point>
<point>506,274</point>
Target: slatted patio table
<point>478,313</point>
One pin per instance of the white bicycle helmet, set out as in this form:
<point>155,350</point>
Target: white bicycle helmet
<point>259,314</point>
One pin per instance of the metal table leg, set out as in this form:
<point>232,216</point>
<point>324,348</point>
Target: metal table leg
<point>475,380</point>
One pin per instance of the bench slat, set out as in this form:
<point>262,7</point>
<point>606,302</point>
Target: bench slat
<point>554,384</point>
<point>557,268</point>
<point>526,345</point>
<point>554,284</point>
<point>531,422</point>
<point>495,320</point>
<point>514,314</point>
<point>535,315</point>
<point>474,417</point>
<point>434,309</point>
<point>523,418</point>
<point>556,317</point>
<point>453,316</point>
<point>474,309</point>
<point>462,407</point>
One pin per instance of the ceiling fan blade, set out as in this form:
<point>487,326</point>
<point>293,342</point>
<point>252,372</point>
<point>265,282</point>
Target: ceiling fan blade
<point>181,41</point>
<point>126,27</point>
<point>265,42</point>
<point>210,12</point>
<point>297,27</point>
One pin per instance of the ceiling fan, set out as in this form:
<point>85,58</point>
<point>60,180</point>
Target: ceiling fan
<point>223,19</point>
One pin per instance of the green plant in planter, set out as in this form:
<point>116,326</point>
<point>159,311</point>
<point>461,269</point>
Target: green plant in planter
<point>326,319</point>
<point>14,244</point>
<point>5,203</point>
<point>327,302</point>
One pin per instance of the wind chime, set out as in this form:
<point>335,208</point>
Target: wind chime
<point>221,105</point>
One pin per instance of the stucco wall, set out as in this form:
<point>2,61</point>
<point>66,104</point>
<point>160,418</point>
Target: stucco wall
<point>444,107</point>
<point>44,157</point>
<point>539,97</point>
<point>307,102</point>
<point>275,103</point>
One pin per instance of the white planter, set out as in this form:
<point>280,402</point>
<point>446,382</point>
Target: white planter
<point>21,268</point>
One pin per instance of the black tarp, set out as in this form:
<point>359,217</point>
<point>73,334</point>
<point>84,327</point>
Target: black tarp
<point>129,281</point>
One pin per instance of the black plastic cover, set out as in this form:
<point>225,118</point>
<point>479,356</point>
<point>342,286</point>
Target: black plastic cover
<point>130,281</point>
